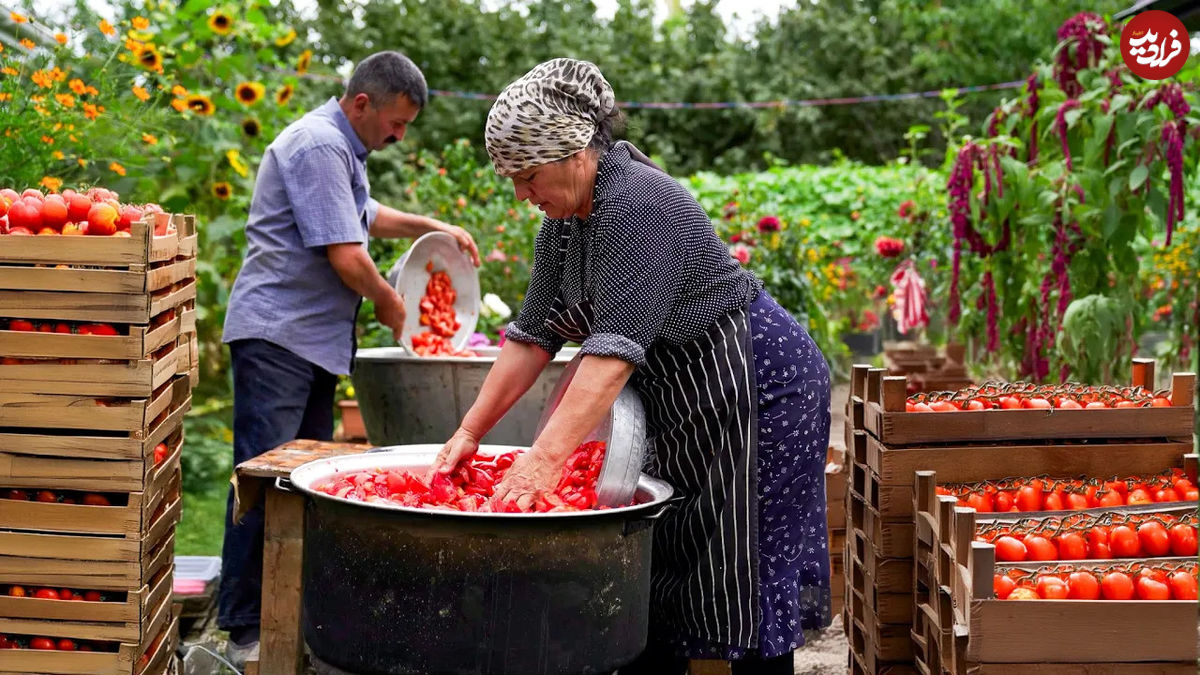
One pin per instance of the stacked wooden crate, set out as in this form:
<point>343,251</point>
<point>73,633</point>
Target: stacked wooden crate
<point>969,446</point>
<point>189,358</point>
<point>926,367</point>
<point>91,412</point>
<point>835,517</point>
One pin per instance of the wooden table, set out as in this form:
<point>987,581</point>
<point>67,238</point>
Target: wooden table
<point>281,645</point>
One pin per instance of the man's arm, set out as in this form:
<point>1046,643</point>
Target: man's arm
<point>357,270</point>
<point>393,224</point>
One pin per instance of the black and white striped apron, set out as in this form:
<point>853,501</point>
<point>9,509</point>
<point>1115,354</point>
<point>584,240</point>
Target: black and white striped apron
<point>701,408</point>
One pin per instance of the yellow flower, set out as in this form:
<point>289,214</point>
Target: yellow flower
<point>250,127</point>
<point>141,23</point>
<point>58,154</point>
<point>222,190</point>
<point>1,49</point>
<point>220,23</point>
<point>149,139</point>
<point>141,94</point>
<point>235,161</point>
<point>284,94</point>
<point>82,162</point>
<point>117,169</point>
<point>78,86</point>
<point>51,183</point>
<point>60,38</point>
<point>150,58</point>
<point>249,93</point>
<point>286,39</point>
<point>65,100</point>
<point>303,61</point>
<point>200,104</point>
<point>18,18</point>
<point>27,43</point>
<point>805,222</point>
<point>179,90</point>
<point>107,28</point>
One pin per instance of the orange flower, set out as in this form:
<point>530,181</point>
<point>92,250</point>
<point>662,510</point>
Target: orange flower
<point>141,23</point>
<point>57,74</point>
<point>117,169</point>
<point>10,71</point>
<point>18,18</point>
<point>47,140</point>
<point>92,90</point>
<point>60,38</point>
<point>141,94</point>
<point>58,154</point>
<point>78,86</point>
<point>27,43</point>
<point>179,90</point>
<point>82,162</point>
<point>65,100</point>
<point>1,49</point>
<point>107,28</point>
<point>5,97</point>
<point>179,104</point>
<point>42,79</point>
<point>149,139</point>
<point>51,183</point>
<point>90,111</point>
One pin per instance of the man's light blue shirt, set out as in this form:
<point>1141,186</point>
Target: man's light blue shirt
<point>311,191</point>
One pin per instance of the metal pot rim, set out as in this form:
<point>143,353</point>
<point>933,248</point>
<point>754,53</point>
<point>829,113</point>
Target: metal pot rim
<point>384,355</point>
<point>654,491</point>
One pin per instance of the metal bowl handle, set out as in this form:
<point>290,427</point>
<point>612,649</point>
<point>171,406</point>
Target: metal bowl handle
<point>642,522</point>
<point>285,485</point>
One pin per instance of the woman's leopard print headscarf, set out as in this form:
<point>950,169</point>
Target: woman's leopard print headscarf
<point>549,114</point>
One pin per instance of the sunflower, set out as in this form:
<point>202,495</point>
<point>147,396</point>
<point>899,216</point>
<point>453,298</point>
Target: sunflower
<point>150,58</point>
<point>251,127</point>
<point>200,104</point>
<point>285,40</point>
<point>235,161</point>
<point>220,23</point>
<point>284,94</point>
<point>249,93</point>
<point>303,61</point>
<point>222,190</point>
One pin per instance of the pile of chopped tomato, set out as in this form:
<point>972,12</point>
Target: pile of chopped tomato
<point>437,312</point>
<point>471,486</point>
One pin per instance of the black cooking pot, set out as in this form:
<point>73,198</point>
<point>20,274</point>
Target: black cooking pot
<point>390,589</point>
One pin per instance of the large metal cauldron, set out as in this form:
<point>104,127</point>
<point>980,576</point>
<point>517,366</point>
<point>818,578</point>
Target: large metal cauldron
<point>396,590</point>
<point>412,399</point>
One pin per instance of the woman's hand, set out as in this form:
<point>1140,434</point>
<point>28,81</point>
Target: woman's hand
<point>462,446</point>
<point>532,475</point>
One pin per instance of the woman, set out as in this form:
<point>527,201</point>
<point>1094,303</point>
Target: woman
<point>737,394</point>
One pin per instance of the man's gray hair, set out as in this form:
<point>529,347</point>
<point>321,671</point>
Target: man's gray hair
<point>383,75</point>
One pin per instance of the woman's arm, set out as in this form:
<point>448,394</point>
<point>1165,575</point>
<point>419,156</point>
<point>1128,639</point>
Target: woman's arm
<point>515,371</point>
<point>587,400</point>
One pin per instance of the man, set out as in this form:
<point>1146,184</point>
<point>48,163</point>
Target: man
<point>290,321</point>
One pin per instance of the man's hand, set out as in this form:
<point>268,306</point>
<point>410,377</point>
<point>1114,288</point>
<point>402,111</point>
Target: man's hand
<point>391,313</point>
<point>392,224</point>
<point>466,243</point>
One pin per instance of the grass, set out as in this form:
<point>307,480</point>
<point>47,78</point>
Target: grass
<point>202,528</point>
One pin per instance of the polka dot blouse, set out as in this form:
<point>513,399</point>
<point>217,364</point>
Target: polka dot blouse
<point>647,259</point>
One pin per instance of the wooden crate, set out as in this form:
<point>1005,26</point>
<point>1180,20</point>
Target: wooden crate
<point>140,343</point>
<point>86,413</point>
<point>140,249</point>
<point>1144,636</point>
<point>129,520</point>
<point>134,572</point>
<point>185,227</point>
<point>130,280</point>
<point>162,630</point>
<point>125,621</point>
<point>885,419</point>
<point>189,358</point>
<point>94,378</point>
<point>19,470</point>
<point>135,444</point>
<point>131,308</point>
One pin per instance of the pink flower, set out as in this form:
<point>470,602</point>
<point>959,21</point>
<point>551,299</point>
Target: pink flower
<point>908,209</point>
<point>730,210</point>
<point>768,224</point>
<point>495,256</point>
<point>889,247</point>
<point>741,253</point>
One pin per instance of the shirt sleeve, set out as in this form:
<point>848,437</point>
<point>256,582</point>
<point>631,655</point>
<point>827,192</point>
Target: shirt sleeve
<point>637,267</point>
<point>372,211</point>
<point>544,281</point>
<point>318,185</point>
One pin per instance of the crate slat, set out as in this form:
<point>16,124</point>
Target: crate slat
<point>124,575</point>
<point>132,308</point>
<point>133,378</point>
<point>140,248</point>
<point>141,342</point>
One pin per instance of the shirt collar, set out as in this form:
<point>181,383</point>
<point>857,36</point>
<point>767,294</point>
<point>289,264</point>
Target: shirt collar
<point>610,173</point>
<point>333,110</point>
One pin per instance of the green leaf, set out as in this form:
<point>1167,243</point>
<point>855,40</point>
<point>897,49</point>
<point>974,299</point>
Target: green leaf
<point>1138,176</point>
<point>1112,220</point>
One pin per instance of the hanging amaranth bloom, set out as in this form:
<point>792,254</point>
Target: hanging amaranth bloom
<point>993,311</point>
<point>1032,105</point>
<point>1083,49</point>
<point>1172,137</point>
<point>1060,125</point>
<point>962,179</point>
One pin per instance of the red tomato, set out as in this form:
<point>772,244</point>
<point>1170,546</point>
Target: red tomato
<point>92,596</point>
<point>65,645</point>
<point>46,594</point>
<point>1111,498</point>
<point>1036,402</point>
<point>1077,501</point>
<point>1183,586</point>
<point>1010,403</point>
<point>1139,496</point>
<point>1051,588</point>
<point>1123,542</point>
<point>1004,501</point>
<point>1040,548</point>
<point>1003,585</point>
<point>1183,540</point>
<point>1053,501</point>
<point>42,643</point>
<point>1116,586</point>
<point>981,502</point>
<point>1010,549</point>
<point>1082,585</point>
<point>1029,497</point>
<point>1166,495</point>
<point>1072,546</point>
<point>1023,593</point>
<point>1154,539</point>
<point>1152,589</point>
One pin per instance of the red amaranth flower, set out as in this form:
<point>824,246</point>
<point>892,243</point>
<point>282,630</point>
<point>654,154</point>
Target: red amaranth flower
<point>1082,49</point>
<point>889,247</point>
<point>768,224</point>
<point>1060,126</point>
<point>908,209</point>
<point>1172,136</point>
<point>993,312</point>
<point>730,210</point>
<point>1032,104</point>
